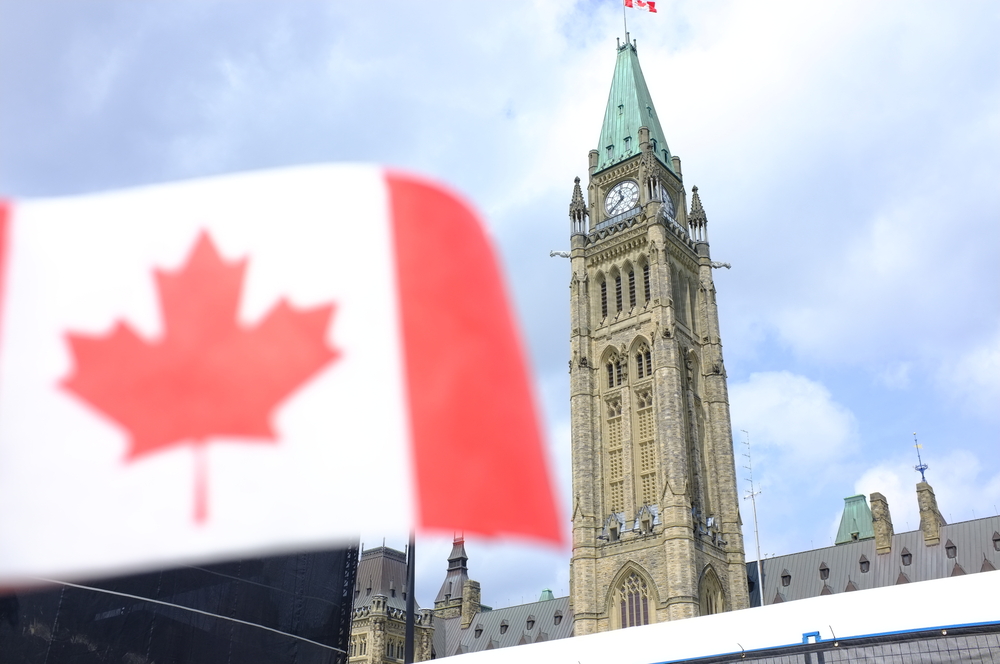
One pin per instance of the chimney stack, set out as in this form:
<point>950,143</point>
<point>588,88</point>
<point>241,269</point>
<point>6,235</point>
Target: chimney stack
<point>470,602</point>
<point>882,523</point>
<point>930,517</point>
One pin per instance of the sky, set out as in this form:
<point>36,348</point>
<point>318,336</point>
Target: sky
<point>846,154</point>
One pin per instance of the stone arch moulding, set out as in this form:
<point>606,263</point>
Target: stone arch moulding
<point>711,594</point>
<point>610,353</point>
<point>611,595</point>
<point>638,342</point>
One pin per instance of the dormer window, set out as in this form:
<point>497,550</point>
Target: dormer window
<point>906,557</point>
<point>503,627</point>
<point>610,148</point>
<point>621,109</point>
<point>479,631</point>
<point>628,143</point>
<point>864,565</point>
<point>950,549</point>
<point>557,618</point>
<point>824,572</point>
<point>531,623</point>
<point>996,541</point>
<point>786,578</point>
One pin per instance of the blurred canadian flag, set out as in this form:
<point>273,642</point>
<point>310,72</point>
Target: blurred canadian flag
<point>256,363</point>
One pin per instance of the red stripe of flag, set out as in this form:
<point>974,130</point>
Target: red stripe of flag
<point>477,449</point>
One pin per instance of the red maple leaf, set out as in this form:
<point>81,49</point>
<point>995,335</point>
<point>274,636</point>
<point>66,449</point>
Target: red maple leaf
<point>207,376</point>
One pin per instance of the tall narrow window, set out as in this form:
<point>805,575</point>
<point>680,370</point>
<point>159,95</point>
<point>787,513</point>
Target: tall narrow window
<point>631,288</point>
<point>649,362</point>
<point>615,469</point>
<point>640,367</point>
<point>604,299</point>
<point>618,292</point>
<point>646,457</point>
<point>616,371</point>
<point>645,281</point>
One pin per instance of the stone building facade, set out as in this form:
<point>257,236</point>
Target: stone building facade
<point>656,523</point>
<point>378,627</point>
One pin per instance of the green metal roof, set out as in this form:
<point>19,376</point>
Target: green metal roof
<point>856,523</point>
<point>629,107</point>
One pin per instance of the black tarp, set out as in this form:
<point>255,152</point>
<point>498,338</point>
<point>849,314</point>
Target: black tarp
<point>293,609</point>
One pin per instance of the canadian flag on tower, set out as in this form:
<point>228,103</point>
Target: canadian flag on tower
<point>649,6</point>
<point>255,363</point>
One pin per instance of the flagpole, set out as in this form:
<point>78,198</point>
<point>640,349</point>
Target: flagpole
<point>625,20</point>
<point>410,592</point>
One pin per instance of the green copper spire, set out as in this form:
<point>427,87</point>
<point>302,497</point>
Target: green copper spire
<point>629,107</point>
<point>856,523</point>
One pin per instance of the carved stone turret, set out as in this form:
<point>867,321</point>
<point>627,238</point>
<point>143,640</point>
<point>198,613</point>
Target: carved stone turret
<point>577,210</point>
<point>697,220</point>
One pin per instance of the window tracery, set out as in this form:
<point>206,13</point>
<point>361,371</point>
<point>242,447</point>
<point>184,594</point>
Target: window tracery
<point>633,601</point>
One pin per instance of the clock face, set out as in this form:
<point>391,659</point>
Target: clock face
<point>622,197</point>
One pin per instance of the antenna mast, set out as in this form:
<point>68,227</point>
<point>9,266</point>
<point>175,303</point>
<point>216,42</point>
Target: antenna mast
<point>752,495</point>
<point>921,466</point>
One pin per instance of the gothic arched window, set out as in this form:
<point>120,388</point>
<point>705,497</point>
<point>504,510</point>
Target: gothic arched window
<point>617,370</point>
<point>633,601</point>
<point>614,459</point>
<point>645,281</point>
<point>618,292</point>
<point>631,289</point>
<point>710,595</point>
<point>645,456</point>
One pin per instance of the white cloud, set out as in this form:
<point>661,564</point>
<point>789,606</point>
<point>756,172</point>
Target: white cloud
<point>966,487</point>
<point>974,378</point>
<point>792,415</point>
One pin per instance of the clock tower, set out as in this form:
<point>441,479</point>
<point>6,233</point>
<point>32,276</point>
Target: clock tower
<point>656,523</point>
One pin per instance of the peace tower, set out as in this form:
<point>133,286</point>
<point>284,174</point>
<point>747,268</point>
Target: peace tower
<point>656,522</point>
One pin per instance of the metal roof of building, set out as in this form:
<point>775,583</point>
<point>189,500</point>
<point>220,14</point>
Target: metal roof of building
<point>856,522</point>
<point>629,107</point>
<point>381,571</point>
<point>534,622</point>
<point>968,547</point>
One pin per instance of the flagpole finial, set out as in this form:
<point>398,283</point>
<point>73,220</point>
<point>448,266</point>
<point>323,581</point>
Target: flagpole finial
<point>921,466</point>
